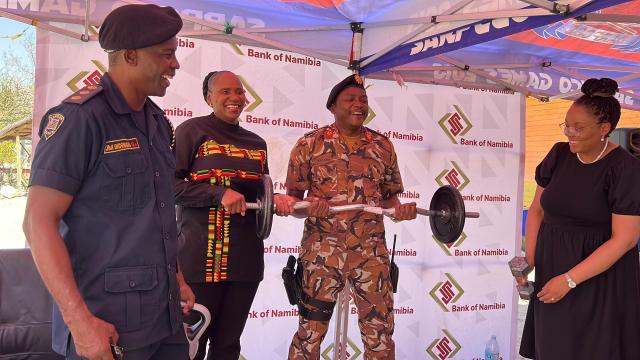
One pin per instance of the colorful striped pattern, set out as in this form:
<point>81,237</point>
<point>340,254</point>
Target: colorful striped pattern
<point>211,147</point>
<point>226,173</point>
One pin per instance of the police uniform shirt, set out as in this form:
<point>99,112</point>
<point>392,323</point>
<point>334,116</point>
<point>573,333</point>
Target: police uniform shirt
<point>120,229</point>
<point>211,156</point>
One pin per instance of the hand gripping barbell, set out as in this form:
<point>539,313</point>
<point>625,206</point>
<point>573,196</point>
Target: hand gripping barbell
<point>446,213</point>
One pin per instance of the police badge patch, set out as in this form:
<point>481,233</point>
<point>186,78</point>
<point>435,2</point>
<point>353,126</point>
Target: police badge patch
<point>55,121</point>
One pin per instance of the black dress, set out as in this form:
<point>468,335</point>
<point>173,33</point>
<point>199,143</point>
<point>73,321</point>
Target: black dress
<point>600,318</point>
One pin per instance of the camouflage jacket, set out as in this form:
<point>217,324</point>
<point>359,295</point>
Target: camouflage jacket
<point>322,164</point>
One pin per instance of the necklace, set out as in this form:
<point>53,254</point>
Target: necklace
<point>599,155</point>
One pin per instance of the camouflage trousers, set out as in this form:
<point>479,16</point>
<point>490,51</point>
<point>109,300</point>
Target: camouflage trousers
<point>328,265</point>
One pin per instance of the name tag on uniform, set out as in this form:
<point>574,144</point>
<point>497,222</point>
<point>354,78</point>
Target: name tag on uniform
<point>121,145</point>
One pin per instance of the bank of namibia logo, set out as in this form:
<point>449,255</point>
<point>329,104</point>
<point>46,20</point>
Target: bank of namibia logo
<point>351,352</point>
<point>455,124</point>
<point>87,77</point>
<point>446,292</point>
<point>443,348</point>
<point>447,247</point>
<point>453,176</point>
<point>252,96</point>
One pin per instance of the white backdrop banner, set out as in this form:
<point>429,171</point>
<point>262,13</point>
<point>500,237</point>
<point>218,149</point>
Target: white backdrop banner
<point>451,299</point>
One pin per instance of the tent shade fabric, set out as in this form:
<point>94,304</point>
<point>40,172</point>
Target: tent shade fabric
<point>542,49</point>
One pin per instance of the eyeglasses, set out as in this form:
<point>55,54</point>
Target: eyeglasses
<point>574,129</point>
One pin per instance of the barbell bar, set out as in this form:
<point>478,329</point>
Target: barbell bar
<point>446,211</point>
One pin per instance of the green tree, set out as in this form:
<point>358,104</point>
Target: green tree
<point>17,71</point>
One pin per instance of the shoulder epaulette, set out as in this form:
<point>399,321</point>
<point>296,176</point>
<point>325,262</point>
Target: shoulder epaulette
<point>81,96</point>
<point>315,131</point>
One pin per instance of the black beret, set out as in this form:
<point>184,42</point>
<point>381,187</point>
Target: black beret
<point>138,26</point>
<point>351,81</point>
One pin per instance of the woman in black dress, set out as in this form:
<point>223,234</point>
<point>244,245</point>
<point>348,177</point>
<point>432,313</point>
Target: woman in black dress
<point>581,234</point>
<point>219,167</point>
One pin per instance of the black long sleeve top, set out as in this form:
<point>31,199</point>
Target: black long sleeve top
<point>211,156</point>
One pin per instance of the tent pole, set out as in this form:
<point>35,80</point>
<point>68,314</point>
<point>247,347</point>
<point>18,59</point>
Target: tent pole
<point>356,46</point>
<point>41,25</point>
<point>553,6</point>
<point>615,18</point>
<point>18,163</point>
<point>521,89</point>
<point>414,33</point>
<point>488,15</point>
<point>85,37</point>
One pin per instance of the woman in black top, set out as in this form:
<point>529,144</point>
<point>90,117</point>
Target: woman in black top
<point>219,166</point>
<point>581,234</point>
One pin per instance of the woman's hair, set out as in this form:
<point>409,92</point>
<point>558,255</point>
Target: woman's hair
<point>205,84</point>
<point>600,100</point>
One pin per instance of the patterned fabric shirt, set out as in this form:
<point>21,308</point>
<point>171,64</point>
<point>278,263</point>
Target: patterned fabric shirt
<point>211,156</point>
<point>322,163</point>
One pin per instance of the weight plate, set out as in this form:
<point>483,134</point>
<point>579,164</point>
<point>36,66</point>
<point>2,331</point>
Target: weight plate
<point>264,216</point>
<point>447,229</point>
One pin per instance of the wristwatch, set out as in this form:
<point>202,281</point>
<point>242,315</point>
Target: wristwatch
<point>570,282</point>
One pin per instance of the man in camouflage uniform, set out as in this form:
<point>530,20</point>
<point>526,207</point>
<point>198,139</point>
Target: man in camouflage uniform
<point>346,163</point>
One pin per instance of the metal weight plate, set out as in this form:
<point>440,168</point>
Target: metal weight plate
<point>447,229</point>
<point>264,216</point>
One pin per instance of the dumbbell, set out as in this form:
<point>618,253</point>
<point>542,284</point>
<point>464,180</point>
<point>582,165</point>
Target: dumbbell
<point>520,269</point>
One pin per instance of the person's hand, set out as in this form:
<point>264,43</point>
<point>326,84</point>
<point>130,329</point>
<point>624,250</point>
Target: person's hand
<point>93,337</point>
<point>554,290</point>
<point>233,202</point>
<point>187,297</point>
<point>405,212</point>
<point>318,207</point>
<point>284,204</point>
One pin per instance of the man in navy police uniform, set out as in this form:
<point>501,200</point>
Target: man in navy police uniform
<point>100,215</point>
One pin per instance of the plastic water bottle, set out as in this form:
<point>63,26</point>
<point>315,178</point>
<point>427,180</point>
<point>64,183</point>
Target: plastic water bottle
<point>492,351</point>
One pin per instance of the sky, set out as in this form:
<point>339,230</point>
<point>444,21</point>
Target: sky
<point>9,27</point>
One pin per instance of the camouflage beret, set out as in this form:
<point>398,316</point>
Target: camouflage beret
<point>351,81</point>
<point>138,26</point>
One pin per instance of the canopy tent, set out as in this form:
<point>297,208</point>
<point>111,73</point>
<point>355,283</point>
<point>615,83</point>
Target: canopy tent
<point>541,48</point>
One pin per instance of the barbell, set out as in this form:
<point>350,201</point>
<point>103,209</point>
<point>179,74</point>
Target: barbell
<point>446,211</point>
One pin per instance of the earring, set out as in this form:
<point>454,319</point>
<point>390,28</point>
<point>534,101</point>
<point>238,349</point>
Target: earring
<point>602,138</point>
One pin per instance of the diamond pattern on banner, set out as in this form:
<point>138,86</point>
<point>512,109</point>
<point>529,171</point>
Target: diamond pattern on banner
<point>280,101</point>
<point>384,104</point>
<point>499,206</point>
<point>414,328</point>
<point>486,170</point>
<point>413,123</point>
<point>465,101</point>
<point>192,63</point>
<point>491,170</point>
<point>493,112</point>
<point>482,268</point>
<point>423,156</point>
<point>329,79</point>
<point>407,238</point>
<point>296,72</point>
<point>479,317</point>
<point>426,100</point>
<point>492,296</point>
<point>484,220</point>
<point>229,59</point>
<point>409,180</point>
